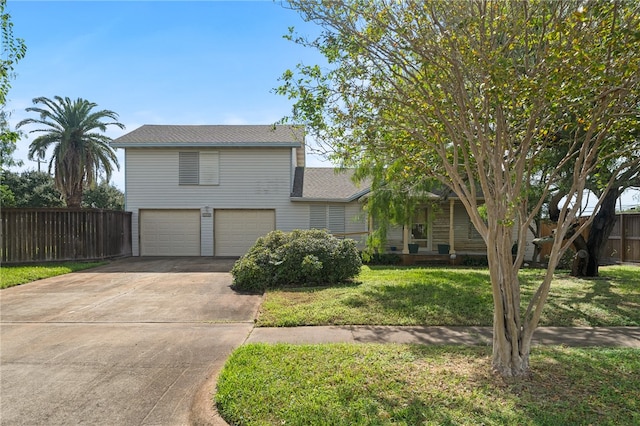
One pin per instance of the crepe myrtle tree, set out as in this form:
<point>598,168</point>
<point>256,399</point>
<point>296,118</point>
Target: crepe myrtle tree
<point>468,95</point>
<point>81,153</point>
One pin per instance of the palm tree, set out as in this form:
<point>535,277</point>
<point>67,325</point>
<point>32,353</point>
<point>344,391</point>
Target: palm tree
<point>80,152</point>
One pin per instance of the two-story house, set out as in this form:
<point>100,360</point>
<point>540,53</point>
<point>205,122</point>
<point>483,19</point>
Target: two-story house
<point>213,190</point>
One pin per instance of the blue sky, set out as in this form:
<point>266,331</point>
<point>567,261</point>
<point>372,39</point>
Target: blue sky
<point>161,62</point>
<point>158,62</point>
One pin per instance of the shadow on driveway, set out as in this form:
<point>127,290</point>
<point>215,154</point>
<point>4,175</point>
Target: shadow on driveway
<point>168,264</point>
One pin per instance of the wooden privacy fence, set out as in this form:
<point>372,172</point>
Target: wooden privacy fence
<point>623,244</point>
<point>624,241</point>
<point>37,235</point>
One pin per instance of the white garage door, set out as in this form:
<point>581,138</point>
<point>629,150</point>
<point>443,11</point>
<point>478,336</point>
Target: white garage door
<point>170,232</point>
<point>237,230</point>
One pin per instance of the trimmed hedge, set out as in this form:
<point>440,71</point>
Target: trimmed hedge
<point>299,258</point>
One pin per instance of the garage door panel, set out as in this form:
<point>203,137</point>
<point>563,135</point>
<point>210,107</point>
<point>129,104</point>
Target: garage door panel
<point>170,232</point>
<point>237,230</point>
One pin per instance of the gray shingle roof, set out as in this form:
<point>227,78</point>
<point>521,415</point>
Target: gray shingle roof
<point>327,184</point>
<point>151,135</point>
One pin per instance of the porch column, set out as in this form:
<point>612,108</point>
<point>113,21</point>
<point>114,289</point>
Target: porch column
<point>405,239</point>
<point>452,249</point>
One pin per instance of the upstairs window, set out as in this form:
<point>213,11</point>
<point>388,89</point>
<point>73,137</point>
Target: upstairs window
<point>189,168</point>
<point>198,168</point>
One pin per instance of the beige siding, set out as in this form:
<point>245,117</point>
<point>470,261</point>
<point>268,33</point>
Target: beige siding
<point>356,223</point>
<point>394,237</point>
<point>440,226</point>
<point>249,178</point>
<point>355,219</point>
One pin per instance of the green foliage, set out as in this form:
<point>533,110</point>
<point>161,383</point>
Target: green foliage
<point>382,259</point>
<point>80,152</point>
<point>300,258</point>
<point>13,50</point>
<point>103,196</point>
<point>8,143</point>
<point>15,275</point>
<point>7,198</point>
<point>32,189</point>
<point>475,261</point>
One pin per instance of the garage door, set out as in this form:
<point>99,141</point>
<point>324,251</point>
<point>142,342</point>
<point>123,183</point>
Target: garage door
<point>237,230</point>
<point>170,232</point>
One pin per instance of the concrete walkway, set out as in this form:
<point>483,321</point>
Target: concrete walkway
<point>568,336</point>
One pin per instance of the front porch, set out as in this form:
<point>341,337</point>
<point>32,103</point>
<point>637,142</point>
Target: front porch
<point>437,234</point>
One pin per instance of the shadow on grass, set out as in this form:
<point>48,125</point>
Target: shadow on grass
<point>610,300</point>
<point>566,386</point>
<point>580,386</point>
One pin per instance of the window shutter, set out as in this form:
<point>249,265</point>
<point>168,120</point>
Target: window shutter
<point>336,219</point>
<point>317,217</point>
<point>209,168</point>
<point>188,168</point>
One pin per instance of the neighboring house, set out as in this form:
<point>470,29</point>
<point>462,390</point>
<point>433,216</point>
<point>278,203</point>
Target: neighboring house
<point>213,190</point>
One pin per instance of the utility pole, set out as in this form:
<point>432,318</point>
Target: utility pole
<point>38,160</point>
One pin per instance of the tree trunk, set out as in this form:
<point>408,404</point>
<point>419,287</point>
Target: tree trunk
<point>579,266</point>
<point>600,231</point>
<point>587,265</point>
<point>74,198</point>
<point>535,231</point>
<point>510,351</point>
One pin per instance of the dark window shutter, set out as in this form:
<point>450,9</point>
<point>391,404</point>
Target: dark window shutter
<point>189,170</point>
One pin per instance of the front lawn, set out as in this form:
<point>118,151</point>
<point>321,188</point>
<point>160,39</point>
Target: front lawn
<point>358,384</point>
<point>16,275</point>
<point>447,296</point>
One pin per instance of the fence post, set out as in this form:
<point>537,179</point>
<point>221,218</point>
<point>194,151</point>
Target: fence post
<point>623,239</point>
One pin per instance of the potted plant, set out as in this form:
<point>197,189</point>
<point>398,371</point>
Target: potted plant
<point>443,248</point>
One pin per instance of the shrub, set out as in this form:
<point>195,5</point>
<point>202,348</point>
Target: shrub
<point>475,261</point>
<point>382,259</point>
<point>298,258</point>
<point>566,261</point>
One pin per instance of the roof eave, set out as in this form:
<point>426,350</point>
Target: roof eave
<point>205,145</point>
<point>321,200</point>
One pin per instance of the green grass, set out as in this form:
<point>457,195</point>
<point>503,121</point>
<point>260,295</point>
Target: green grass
<point>358,384</point>
<point>15,275</point>
<point>446,296</point>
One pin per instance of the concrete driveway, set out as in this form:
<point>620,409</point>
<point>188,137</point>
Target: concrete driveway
<point>135,342</point>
